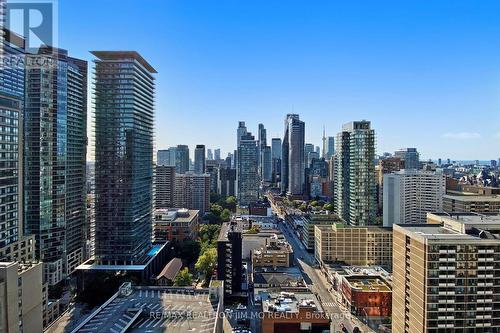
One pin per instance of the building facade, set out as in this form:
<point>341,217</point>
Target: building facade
<point>124,126</point>
<point>55,141</point>
<point>355,188</point>
<point>164,186</point>
<point>482,204</point>
<point>192,191</point>
<point>175,224</point>
<point>294,158</point>
<point>410,194</point>
<point>410,156</point>
<point>247,171</point>
<point>199,159</point>
<point>226,182</point>
<point>360,246</point>
<point>445,275</point>
<point>229,258</point>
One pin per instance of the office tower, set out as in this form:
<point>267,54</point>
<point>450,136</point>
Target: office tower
<point>309,148</point>
<point>21,297</point>
<point>55,136</point>
<point>439,161</point>
<point>212,168</point>
<point>210,155</point>
<point>276,159</point>
<point>199,159</point>
<point>182,161</point>
<point>164,186</point>
<point>192,191</point>
<point>293,156</point>
<point>242,130</point>
<point>493,163</point>
<point>385,165</point>
<point>410,194</point>
<point>311,156</point>
<point>247,174</point>
<point>410,156</point>
<point>317,150</point>
<point>330,147</point>
<point>355,190</point>
<point>124,157</point>
<point>446,276</point>
<point>261,143</point>
<point>266,164</point>
<point>217,154</point>
<point>226,182</point>
<point>276,148</point>
<point>163,157</point>
<point>229,258</point>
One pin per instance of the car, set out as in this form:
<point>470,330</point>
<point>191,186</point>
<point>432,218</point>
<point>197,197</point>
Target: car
<point>241,307</point>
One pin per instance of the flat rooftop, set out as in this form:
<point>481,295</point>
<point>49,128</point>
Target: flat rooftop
<point>181,215</point>
<point>473,197</point>
<point>154,310</point>
<point>368,284</point>
<point>289,301</point>
<point>117,55</point>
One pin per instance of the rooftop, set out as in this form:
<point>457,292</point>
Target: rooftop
<point>368,284</point>
<point>152,310</point>
<point>171,269</point>
<point>289,301</point>
<point>473,197</point>
<point>175,215</point>
<point>117,55</point>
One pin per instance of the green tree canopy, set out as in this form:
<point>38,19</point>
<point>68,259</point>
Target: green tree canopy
<point>328,206</point>
<point>225,215</point>
<point>183,278</point>
<point>207,262</point>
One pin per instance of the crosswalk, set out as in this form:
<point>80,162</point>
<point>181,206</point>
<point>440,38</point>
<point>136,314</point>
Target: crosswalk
<point>330,304</point>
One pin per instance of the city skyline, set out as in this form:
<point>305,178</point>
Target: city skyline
<point>325,63</point>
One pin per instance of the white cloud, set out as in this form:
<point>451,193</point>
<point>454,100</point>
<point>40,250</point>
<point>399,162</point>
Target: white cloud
<point>462,136</point>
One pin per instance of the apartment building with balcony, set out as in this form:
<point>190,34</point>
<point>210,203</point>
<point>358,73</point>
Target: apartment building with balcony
<point>276,253</point>
<point>446,275</point>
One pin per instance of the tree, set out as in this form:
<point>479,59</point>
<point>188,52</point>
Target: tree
<point>313,203</point>
<point>230,203</point>
<point>183,278</point>
<point>328,206</point>
<point>211,218</point>
<point>209,232</point>
<point>303,207</point>
<point>225,215</point>
<point>207,262</point>
<point>214,197</point>
<point>216,209</point>
<point>190,250</point>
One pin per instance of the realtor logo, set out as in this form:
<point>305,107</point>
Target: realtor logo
<point>34,20</point>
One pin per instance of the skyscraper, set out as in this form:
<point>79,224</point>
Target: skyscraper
<point>309,148</point>
<point>13,246</point>
<point>331,147</point>
<point>293,156</point>
<point>55,136</point>
<point>181,159</point>
<point>276,159</point>
<point>247,174</point>
<point>410,194</point>
<point>355,188</point>
<point>410,156</point>
<point>266,163</point>
<point>261,143</point>
<point>242,130</point>
<point>199,159</point>
<point>217,154</point>
<point>210,155</point>
<point>124,156</point>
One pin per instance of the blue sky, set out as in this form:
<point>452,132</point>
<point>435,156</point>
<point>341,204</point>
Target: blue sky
<point>426,73</point>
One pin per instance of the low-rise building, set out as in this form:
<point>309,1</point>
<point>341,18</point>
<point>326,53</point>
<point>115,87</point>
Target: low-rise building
<point>175,224</point>
<point>21,297</point>
<point>279,277</point>
<point>353,245</point>
<point>292,312</point>
<point>367,296</point>
<point>276,253</point>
